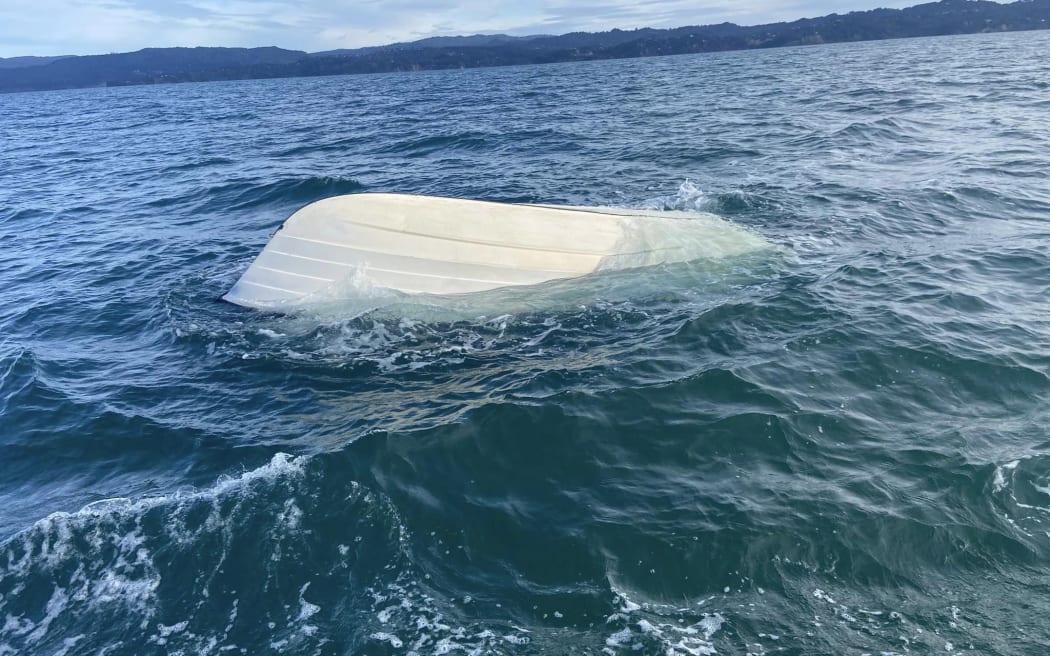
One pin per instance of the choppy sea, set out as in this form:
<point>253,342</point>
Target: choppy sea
<point>837,445</point>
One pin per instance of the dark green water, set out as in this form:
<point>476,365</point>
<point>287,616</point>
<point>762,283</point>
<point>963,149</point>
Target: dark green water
<point>839,445</point>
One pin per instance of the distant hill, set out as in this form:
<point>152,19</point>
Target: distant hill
<point>147,66</point>
<point>474,40</point>
<point>19,62</point>
<point>166,65</point>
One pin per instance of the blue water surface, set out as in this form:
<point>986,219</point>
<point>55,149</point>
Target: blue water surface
<point>839,445</point>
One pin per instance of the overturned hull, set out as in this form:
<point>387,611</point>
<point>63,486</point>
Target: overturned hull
<point>433,245</point>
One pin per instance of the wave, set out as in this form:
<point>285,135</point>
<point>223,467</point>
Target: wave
<point>239,196</point>
<point>288,557</point>
<point>425,145</point>
<point>837,446</point>
<point>197,164</point>
<point>162,572</point>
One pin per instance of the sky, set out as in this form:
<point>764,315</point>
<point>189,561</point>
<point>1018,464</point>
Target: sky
<point>86,27</point>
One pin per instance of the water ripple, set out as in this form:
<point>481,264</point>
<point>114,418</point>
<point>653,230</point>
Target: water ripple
<point>837,445</point>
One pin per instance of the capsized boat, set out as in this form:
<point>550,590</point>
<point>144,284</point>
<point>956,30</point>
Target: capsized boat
<point>435,245</point>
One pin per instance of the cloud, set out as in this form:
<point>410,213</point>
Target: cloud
<point>54,27</point>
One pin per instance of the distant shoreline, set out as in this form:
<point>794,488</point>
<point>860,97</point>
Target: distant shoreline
<point>175,65</point>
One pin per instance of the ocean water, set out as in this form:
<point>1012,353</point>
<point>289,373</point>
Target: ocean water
<point>836,445</point>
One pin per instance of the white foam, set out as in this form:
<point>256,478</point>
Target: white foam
<point>405,610</point>
<point>306,609</point>
<point>394,641</point>
<point>619,638</point>
<point>689,197</point>
<point>99,559</point>
<point>516,639</point>
<point>999,482</point>
<point>648,623</point>
<point>820,594</point>
<point>711,624</point>
<point>69,643</point>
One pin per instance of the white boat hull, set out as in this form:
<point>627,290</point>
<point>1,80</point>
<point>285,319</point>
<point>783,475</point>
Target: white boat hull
<point>433,245</point>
